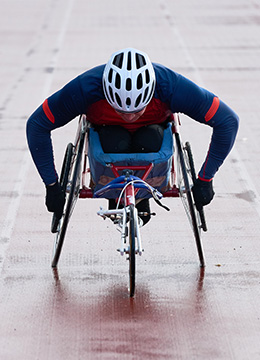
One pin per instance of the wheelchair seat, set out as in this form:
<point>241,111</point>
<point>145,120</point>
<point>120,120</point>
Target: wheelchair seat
<point>100,164</point>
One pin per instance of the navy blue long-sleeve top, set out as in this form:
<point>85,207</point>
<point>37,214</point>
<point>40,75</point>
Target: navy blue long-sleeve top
<point>173,94</point>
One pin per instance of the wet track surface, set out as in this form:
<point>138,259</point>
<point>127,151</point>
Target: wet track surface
<point>83,311</point>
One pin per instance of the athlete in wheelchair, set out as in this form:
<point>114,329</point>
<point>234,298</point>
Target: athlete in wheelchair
<point>130,104</point>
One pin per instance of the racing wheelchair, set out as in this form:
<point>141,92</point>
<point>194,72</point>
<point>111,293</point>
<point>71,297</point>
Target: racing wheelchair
<point>88,172</point>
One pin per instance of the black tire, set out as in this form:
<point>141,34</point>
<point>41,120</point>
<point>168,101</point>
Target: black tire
<point>131,251</point>
<point>187,198</point>
<point>64,176</point>
<point>192,170</point>
<point>74,175</point>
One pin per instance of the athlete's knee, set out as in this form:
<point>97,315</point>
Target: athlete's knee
<point>148,138</point>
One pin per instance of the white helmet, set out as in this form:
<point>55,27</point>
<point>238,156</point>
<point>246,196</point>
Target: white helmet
<point>129,80</point>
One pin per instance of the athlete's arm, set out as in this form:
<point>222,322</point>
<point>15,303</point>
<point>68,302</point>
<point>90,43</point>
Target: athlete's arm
<point>184,96</point>
<point>56,111</point>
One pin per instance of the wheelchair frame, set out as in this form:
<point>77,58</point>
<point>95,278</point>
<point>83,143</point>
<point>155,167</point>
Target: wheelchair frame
<point>74,182</point>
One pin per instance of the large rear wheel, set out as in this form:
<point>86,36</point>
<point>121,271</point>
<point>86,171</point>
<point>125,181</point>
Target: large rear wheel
<point>185,183</point>
<point>65,172</point>
<point>73,189</point>
<point>191,170</point>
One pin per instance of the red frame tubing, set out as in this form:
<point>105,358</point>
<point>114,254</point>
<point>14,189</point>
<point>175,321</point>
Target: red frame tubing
<point>130,195</point>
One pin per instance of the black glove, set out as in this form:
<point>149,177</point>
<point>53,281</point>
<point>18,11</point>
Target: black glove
<point>203,192</point>
<point>55,199</point>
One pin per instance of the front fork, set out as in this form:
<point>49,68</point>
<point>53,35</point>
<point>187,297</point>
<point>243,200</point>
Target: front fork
<point>130,200</point>
<point>123,213</point>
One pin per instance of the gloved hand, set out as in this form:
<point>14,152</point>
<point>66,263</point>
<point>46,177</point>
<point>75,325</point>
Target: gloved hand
<point>55,199</point>
<point>203,192</point>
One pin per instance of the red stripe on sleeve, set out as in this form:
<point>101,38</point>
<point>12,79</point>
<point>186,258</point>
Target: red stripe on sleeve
<point>47,111</point>
<point>203,179</point>
<point>213,109</point>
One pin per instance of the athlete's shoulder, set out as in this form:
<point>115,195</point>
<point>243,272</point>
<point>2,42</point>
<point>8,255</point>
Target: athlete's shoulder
<point>91,83</point>
<point>166,81</point>
<point>94,74</point>
<point>164,74</point>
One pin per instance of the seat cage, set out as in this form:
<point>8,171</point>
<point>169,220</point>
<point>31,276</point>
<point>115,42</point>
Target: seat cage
<point>87,191</point>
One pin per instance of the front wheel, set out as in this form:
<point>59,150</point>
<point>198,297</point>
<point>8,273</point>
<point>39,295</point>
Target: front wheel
<point>132,251</point>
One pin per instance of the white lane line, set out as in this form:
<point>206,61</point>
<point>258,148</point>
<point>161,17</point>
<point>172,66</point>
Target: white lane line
<point>12,210</point>
<point>58,45</point>
<point>9,221</point>
<point>238,163</point>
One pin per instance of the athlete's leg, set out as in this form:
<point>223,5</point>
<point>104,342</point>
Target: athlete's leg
<point>115,139</point>
<point>148,139</point>
<point>143,208</point>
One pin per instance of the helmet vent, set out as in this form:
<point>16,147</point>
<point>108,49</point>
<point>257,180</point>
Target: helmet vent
<point>128,84</point>
<point>118,60</point>
<point>145,93</point>
<point>147,76</point>
<point>111,93</point>
<point>110,75</point>
<point>138,100</point>
<point>151,93</point>
<point>118,81</point>
<point>118,100</point>
<point>128,101</point>
<point>140,61</point>
<point>139,82</point>
<point>129,62</point>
